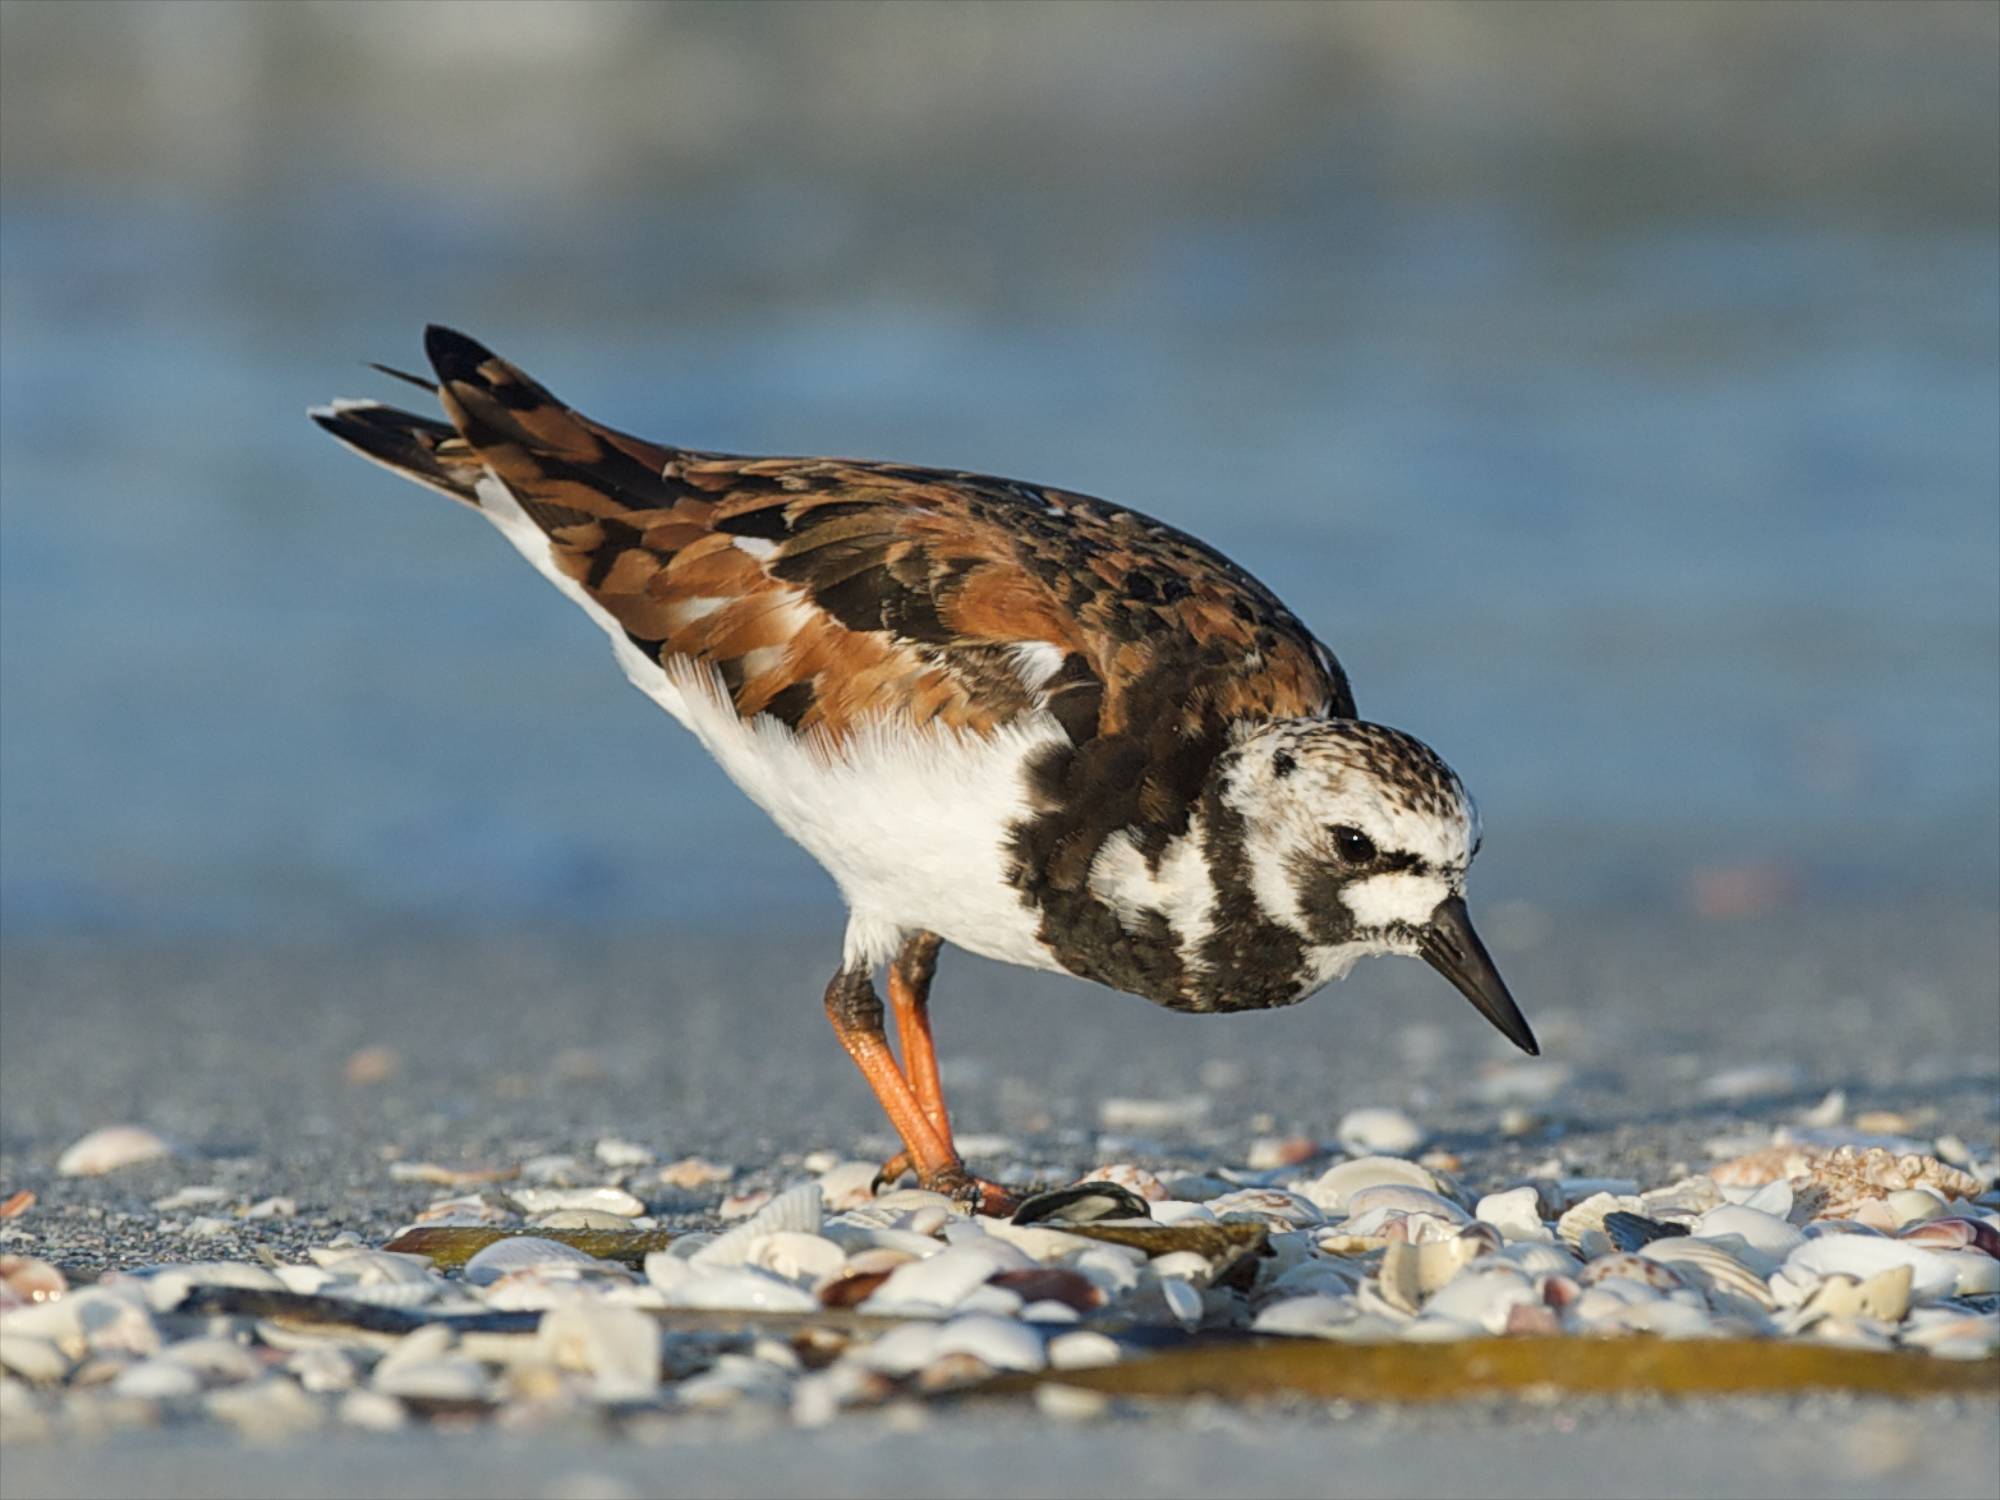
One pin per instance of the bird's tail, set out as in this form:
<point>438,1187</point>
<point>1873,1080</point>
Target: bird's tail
<point>558,463</point>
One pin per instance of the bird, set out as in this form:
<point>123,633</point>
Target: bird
<point>1037,726</point>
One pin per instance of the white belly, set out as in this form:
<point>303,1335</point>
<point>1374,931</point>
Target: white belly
<point>911,823</point>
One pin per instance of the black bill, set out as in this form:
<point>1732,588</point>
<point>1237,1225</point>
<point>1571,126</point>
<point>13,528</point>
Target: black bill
<point>1450,946</point>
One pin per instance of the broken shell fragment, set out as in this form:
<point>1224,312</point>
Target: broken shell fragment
<point>110,1148</point>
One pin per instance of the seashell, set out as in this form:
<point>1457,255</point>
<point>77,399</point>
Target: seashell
<point>804,1258</point>
<point>692,1172</point>
<point>1885,1297</point>
<point>606,1200</point>
<point>1574,1190</point>
<point>1712,1268</point>
<point>372,1411</point>
<point>373,1265</point>
<point>1516,1214</point>
<point>1955,1233</point>
<point>615,1151</point>
<point>903,1350</point>
<point>1484,1298</point>
<point>1560,1291</point>
<point>156,1380</point>
<point>1774,1198</point>
<point>1401,1199</point>
<point>1070,1403</point>
<point>1269,1153</point>
<point>168,1287</point>
<point>1629,1231</point>
<point>266,1410</point>
<point>1267,1205</point>
<point>1538,1259</point>
<point>110,1148</point>
<point>385,1293</point>
<point>522,1253</point>
<point>1309,1316</point>
<point>306,1279</point>
<point>1082,1350</point>
<point>1526,1320</point>
<point>1667,1319</point>
<point>1183,1301</point>
<point>32,1280</point>
<point>321,1368</point>
<point>797,1210</point>
<point>998,1343</point>
<point>443,1176</point>
<point>1948,1331</point>
<point>1047,1312</point>
<point>848,1184</point>
<point>1385,1132</point>
<point>37,1359</point>
<point>1978,1273</point>
<point>733,1380</point>
<point>1331,1189</point>
<point>743,1205</point>
<point>1625,1266</point>
<point>1865,1255</point>
<point>618,1346</point>
<point>433,1380</point>
<point>1767,1232</point>
<point>1913,1206</point>
<point>218,1360</point>
<point>1836,1181</point>
<point>1052,1284</point>
<point>1174,1211</point>
<point>17,1203</point>
<point>1153,1114</point>
<point>1582,1225</point>
<point>1314,1278</point>
<point>739,1287</point>
<point>1133,1179</point>
<point>932,1285</point>
<point>198,1196</point>
<point>272,1208</point>
<point>1756,1080</point>
<point>1083,1203</point>
<point>850,1289</point>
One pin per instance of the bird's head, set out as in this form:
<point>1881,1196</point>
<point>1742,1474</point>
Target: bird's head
<point>1358,837</point>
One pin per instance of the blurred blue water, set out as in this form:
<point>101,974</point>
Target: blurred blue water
<point>1681,542</point>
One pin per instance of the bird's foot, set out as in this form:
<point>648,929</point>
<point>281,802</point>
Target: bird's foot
<point>993,1199</point>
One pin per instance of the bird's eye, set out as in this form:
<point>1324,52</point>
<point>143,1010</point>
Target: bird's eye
<point>1354,846</point>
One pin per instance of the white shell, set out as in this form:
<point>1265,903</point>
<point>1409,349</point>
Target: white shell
<point>436,1379</point>
<point>1483,1297</point>
<point>521,1253</point>
<point>1086,1349</point>
<point>1864,1255</point>
<point>1385,1131</point>
<point>1001,1343</point>
<point>607,1200</point>
<point>1516,1213</point>
<point>156,1380</point>
<point>1310,1315</point>
<point>1331,1188</point>
<point>109,1149</point>
<point>795,1256</point>
<point>1400,1199</point>
<point>1269,1205</point>
<point>936,1283</point>
<point>741,1287</point>
<point>1770,1233</point>
<point>1712,1267</point>
<point>618,1346</point>
<point>1183,1301</point>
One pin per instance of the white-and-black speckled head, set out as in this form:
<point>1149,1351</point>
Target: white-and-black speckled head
<point>1358,837</point>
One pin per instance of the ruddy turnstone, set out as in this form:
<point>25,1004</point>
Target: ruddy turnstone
<point>1039,726</point>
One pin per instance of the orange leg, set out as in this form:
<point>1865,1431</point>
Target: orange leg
<point>916,1111</point>
<point>910,997</point>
